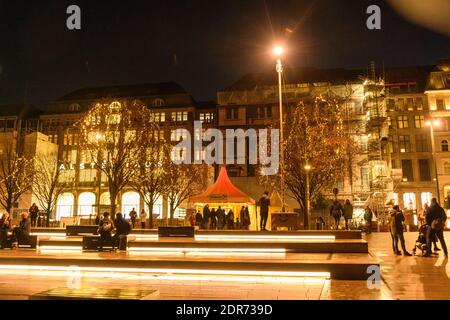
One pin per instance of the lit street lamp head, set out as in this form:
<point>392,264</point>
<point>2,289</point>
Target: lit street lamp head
<point>307,167</point>
<point>278,51</point>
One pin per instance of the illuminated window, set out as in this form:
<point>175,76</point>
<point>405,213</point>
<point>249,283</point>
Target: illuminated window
<point>395,199</point>
<point>404,144</point>
<point>419,121</point>
<point>419,103</point>
<point>410,104</point>
<point>426,198</point>
<point>232,113</point>
<point>64,206</point>
<point>86,201</point>
<point>402,122</point>
<point>130,200</point>
<point>115,106</point>
<point>444,146</point>
<point>409,200</point>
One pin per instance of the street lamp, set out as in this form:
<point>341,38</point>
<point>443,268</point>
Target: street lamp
<point>432,124</point>
<point>308,203</point>
<point>278,52</point>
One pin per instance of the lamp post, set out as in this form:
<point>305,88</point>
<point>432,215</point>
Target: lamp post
<point>99,137</point>
<point>308,201</point>
<point>278,51</point>
<point>432,124</point>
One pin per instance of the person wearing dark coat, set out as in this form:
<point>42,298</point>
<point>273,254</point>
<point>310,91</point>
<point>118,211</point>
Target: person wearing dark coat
<point>336,211</point>
<point>221,221</point>
<point>396,221</point>
<point>213,218</point>
<point>5,226</point>
<point>206,216</point>
<point>198,219</point>
<point>230,220</point>
<point>34,211</point>
<point>264,204</point>
<point>105,229</point>
<point>435,219</point>
<point>123,228</point>
<point>348,213</point>
<point>22,232</point>
<point>368,216</point>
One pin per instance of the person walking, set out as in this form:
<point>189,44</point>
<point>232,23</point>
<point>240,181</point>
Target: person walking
<point>435,219</point>
<point>434,239</point>
<point>34,211</point>
<point>122,229</point>
<point>264,204</point>
<point>143,218</point>
<point>5,226</point>
<point>336,211</point>
<point>368,216</point>
<point>133,217</point>
<point>348,213</point>
<point>104,230</point>
<point>396,220</point>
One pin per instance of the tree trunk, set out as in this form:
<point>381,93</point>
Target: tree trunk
<point>150,213</point>
<point>113,197</point>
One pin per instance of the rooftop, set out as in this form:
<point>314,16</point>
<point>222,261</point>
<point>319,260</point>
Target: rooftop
<point>22,111</point>
<point>135,90</point>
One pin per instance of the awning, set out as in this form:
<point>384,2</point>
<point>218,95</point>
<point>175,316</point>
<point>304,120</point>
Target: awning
<point>222,191</point>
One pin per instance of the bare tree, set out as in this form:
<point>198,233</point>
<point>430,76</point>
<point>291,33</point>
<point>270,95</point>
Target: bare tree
<point>183,181</point>
<point>113,133</point>
<point>49,182</point>
<point>149,180</point>
<point>16,176</point>
<point>316,136</point>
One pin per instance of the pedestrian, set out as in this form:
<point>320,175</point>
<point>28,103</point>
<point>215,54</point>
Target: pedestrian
<point>143,218</point>
<point>221,221</point>
<point>198,219</point>
<point>435,219</point>
<point>21,233</point>
<point>336,211</point>
<point>264,204</point>
<point>105,230</point>
<point>396,227</point>
<point>348,213</point>
<point>122,229</point>
<point>213,219</point>
<point>435,238</point>
<point>5,226</point>
<point>206,214</point>
<point>245,218</point>
<point>34,211</point>
<point>133,217</point>
<point>230,220</point>
<point>241,216</point>
<point>368,216</point>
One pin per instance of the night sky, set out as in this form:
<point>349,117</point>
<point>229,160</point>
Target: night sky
<point>205,45</point>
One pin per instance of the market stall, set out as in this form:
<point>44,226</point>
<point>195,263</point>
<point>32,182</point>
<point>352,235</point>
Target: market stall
<point>225,194</point>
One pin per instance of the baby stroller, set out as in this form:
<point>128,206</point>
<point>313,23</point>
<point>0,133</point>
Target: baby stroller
<point>421,242</point>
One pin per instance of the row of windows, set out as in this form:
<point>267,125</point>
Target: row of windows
<point>410,104</point>
<point>403,122</point>
<point>402,143</point>
<point>408,171</point>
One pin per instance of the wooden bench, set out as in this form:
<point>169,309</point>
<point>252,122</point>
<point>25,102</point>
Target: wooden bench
<point>180,232</point>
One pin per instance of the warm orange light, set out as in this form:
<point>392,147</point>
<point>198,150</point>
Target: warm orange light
<point>278,51</point>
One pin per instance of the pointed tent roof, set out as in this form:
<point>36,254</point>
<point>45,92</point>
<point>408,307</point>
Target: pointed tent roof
<point>222,191</point>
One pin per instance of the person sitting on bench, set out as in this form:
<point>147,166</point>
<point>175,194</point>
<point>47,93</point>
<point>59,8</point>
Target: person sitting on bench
<point>21,233</point>
<point>5,226</point>
<point>104,230</point>
<point>123,228</point>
